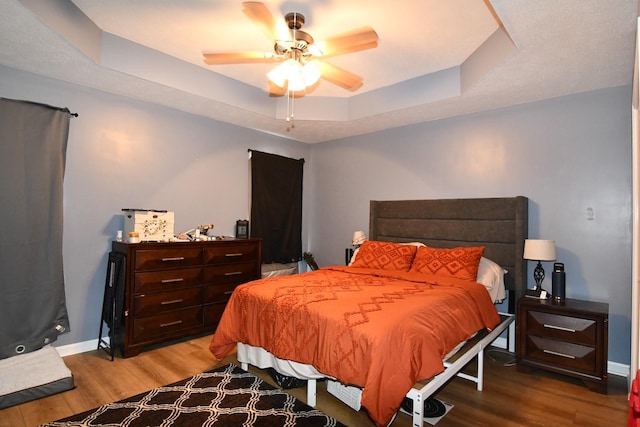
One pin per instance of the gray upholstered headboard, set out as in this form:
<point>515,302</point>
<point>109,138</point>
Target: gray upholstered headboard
<point>498,224</point>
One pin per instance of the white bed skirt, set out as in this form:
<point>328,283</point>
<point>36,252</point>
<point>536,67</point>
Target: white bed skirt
<point>261,358</point>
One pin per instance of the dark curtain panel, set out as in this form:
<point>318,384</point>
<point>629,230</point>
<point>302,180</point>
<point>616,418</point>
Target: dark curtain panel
<point>33,144</point>
<point>276,206</point>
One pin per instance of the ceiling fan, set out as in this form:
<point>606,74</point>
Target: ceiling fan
<point>298,53</point>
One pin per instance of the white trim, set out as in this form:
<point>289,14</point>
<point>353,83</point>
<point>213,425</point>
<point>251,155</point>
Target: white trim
<point>79,347</point>
<point>613,368</point>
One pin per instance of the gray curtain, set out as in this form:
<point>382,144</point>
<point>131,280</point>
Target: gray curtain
<point>33,144</point>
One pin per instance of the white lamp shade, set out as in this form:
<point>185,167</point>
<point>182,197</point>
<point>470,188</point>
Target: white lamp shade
<point>539,250</point>
<point>299,77</point>
<point>310,73</point>
<point>358,238</point>
<point>281,73</point>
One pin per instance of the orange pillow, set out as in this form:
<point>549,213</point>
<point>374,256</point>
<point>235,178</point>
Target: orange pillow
<point>385,256</point>
<point>457,262</point>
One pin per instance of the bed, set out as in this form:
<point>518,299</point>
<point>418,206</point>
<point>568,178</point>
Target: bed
<point>340,322</point>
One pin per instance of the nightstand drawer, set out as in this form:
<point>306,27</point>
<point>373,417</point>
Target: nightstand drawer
<point>562,354</point>
<point>567,328</point>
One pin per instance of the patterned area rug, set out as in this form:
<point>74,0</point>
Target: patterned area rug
<point>225,396</point>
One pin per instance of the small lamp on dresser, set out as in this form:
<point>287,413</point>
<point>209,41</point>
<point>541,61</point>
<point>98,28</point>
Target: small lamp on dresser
<point>539,250</point>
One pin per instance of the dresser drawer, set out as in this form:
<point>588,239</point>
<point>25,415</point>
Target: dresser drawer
<point>562,354</point>
<point>231,253</point>
<point>159,259</point>
<point>167,280</point>
<point>213,313</point>
<point>166,301</point>
<point>145,328</point>
<point>230,273</point>
<point>562,327</point>
<point>218,293</point>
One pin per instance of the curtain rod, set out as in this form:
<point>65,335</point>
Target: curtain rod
<point>271,154</point>
<point>63,109</point>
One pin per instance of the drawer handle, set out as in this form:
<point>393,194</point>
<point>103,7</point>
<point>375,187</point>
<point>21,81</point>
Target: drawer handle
<point>559,328</point>
<point>228,292</point>
<point>164,325</point>
<point>233,273</point>
<point>173,280</point>
<point>173,301</point>
<point>234,254</point>
<point>555,353</point>
<point>178,258</point>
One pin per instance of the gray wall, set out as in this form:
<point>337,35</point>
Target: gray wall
<point>566,154</point>
<point>127,154</point>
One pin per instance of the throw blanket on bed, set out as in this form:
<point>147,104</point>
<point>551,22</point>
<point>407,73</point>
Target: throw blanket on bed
<point>377,329</point>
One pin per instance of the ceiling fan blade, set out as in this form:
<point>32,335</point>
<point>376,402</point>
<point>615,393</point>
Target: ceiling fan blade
<point>262,17</point>
<point>237,58</point>
<point>275,90</point>
<point>339,76</point>
<point>351,41</point>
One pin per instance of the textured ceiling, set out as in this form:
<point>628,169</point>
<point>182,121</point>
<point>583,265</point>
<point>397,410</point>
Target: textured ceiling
<point>435,58</point>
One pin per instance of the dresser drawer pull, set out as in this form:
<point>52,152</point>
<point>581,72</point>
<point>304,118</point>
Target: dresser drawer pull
<point>228,292</point>
<point>555,353</point>
<point>173,301</point>
<point>173,280</point>
<point>234,254</point>
<point>233,273</point>
<point>164,325</point>
<point>560,328</point>
<point>178,258</point>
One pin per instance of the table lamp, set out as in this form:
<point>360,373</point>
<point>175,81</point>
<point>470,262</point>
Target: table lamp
<point>358,238</point>
<point>539,250</point>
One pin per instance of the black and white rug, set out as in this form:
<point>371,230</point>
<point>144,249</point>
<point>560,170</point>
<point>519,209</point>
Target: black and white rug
<point>223,397</point>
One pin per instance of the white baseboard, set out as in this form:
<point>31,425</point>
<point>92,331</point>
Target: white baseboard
<point>79,347</point>
<point>613,368</point>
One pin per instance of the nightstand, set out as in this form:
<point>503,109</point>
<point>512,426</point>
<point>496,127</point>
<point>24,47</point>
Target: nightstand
<point>568,337</point>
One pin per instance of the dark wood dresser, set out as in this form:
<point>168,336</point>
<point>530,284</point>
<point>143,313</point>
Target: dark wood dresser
<point>568,337</point>
<point>173,290</point>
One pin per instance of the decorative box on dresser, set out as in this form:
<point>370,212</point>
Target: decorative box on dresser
<point>568,337</point>
<point>173,290</point>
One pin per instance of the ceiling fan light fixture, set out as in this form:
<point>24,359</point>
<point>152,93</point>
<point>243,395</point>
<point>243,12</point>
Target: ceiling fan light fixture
<point>310,74</point>
<point>296,82</point>
<point>298,76</point>
<point>280,74</point>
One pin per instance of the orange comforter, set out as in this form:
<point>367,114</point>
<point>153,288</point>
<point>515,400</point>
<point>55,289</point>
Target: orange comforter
<point>377,329</point>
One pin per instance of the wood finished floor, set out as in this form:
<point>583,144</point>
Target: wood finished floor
<point>510,398</point>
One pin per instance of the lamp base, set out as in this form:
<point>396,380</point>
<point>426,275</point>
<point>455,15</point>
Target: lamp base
<point>538,275</point>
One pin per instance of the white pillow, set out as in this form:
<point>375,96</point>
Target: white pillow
<point>491,275</point>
